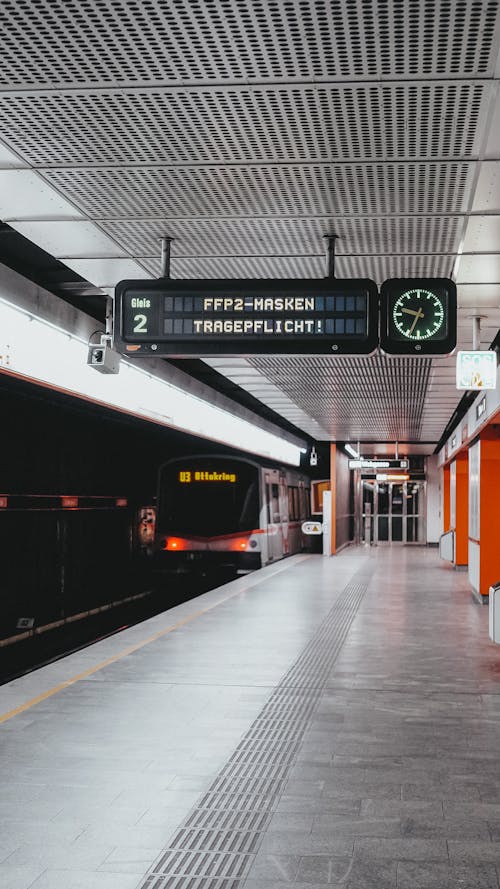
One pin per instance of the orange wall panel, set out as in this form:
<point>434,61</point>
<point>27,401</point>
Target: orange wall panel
<point>489,508</point>
<point>462,510</point>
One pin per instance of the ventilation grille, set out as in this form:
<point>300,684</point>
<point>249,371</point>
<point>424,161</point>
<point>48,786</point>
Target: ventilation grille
<point>219,838</point>
<point>314,189</point>
<point>236,125</point>
<point>379,395</point>
<point>143,41</point>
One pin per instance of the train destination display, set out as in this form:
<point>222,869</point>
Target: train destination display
<point>188,476</point>
<point>192,318</point>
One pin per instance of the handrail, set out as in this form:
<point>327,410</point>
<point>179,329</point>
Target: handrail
<point>447,546</point>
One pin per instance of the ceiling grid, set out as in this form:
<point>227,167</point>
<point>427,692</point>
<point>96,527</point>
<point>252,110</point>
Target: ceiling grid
<point>248,130</point>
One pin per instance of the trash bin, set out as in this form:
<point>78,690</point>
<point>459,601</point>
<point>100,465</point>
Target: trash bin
<point>494,605</point>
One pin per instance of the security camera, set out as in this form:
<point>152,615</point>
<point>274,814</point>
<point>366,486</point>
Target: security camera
<point>102,357</point>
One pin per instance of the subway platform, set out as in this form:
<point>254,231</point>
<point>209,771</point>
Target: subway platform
<point>320,722</point>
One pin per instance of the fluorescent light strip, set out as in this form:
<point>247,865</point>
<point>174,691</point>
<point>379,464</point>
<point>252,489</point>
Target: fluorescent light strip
<point>34,348</point>
<point>350,450</point>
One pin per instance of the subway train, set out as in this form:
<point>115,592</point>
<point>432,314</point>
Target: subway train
<point>228,512</point>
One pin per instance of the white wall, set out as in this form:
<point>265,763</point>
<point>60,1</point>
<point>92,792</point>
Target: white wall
<point>434,500</point>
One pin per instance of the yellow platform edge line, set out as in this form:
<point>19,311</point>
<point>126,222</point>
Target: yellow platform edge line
<point>126,651</point>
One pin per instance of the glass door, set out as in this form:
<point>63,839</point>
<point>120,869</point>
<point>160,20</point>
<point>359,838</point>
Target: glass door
<point>368,494</point>
<point>415,512</point>
<point>397,506</point>
<point>392,512</point>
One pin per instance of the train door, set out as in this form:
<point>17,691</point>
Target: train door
<point>274,538</point>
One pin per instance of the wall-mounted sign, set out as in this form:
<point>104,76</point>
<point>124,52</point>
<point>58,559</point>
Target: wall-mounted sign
<point>312,528</point>
<point>476,370</point>
<point>418,316</point>
<point>481,408</point>
<point>243,317</point>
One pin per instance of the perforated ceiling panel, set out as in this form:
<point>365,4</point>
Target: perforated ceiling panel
<point>249,129</point>
<point>373,399</point>
<point>297,237</point>
<point>258,266</point>
<point>255,190</point>
<point>355,393</point>
<point>133,41</point>
<point>233,124</point>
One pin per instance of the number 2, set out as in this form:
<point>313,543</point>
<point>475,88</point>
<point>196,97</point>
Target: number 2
<point>140,322</point>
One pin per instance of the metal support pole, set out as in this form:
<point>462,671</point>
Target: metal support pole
<point>396,451</point>
<point>165,257</point>
<point>109,316</point>
<point>330,255</point>
<point>476,332</point>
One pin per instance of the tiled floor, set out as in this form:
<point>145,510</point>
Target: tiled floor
<point>385,761</point>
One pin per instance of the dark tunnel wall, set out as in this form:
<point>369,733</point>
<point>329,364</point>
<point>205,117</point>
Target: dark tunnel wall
<point>56,562</point>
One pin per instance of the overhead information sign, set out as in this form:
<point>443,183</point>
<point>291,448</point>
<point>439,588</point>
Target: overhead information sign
<point>378,464</point>
<point>246,317</point>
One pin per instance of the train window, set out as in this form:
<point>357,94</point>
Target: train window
<point>250,507</point>
<point>293,503</point>
<point>208,496</point>
<point>303,503</point>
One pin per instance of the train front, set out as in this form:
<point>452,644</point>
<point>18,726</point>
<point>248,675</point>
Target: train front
<point>208,515</point>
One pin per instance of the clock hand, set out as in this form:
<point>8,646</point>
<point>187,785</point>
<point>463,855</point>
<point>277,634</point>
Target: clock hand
<point>411,311</point>
<point>418,315</point>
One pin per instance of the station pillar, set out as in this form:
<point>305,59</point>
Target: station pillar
<point>342,509</point>
<point>484,510</point>
<point>459,507</point>
<point>333,489</point>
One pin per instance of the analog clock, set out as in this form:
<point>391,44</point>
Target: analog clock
<point>418,316</point>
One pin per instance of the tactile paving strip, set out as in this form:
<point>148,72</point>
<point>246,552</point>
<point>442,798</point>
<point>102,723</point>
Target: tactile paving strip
<point>215,845</point>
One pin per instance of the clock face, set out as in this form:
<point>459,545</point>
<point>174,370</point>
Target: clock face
<point>419,314</point>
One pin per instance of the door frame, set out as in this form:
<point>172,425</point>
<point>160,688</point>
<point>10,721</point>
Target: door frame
<point>375,516</point>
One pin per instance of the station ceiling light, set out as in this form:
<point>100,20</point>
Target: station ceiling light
<point>352,451</point>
